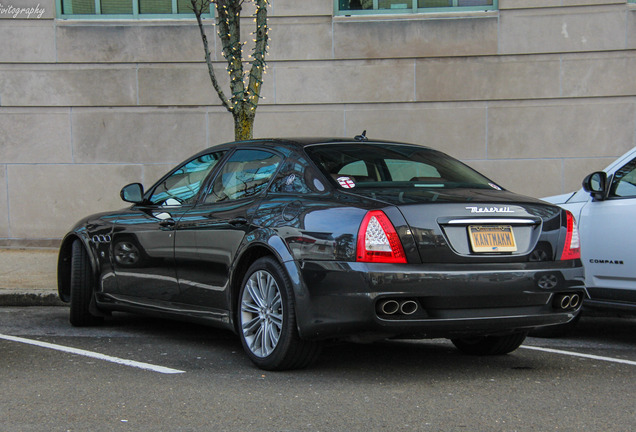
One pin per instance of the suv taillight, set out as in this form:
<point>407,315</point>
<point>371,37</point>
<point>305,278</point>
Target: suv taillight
<point>572,247</point>
<point>378,241</point>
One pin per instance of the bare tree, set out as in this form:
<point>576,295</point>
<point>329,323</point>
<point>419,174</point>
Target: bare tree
<point>246,76</point>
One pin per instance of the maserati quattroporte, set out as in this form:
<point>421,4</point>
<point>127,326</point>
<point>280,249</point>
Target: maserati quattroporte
<point>292,242</point>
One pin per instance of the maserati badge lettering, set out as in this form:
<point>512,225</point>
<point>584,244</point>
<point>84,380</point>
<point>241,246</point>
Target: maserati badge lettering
<point>490,209</point>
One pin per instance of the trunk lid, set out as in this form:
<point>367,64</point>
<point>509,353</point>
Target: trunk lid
<point>472,225</point>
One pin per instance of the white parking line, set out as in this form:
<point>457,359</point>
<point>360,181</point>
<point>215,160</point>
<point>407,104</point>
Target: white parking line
<point>131,363</point>
<point>575,354</point>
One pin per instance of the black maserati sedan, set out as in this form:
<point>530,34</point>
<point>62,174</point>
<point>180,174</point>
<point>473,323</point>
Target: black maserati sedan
<point>294,242</point>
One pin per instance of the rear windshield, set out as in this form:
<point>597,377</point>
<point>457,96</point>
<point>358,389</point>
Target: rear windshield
<point>368,165</point>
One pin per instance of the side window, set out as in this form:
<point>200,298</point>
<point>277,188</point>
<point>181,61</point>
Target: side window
<point>128,9</point>
<point>183,185</point>
<point>365,7</point>
<point>244,175</point>
<point>624,181</point>
<point>297,176</point>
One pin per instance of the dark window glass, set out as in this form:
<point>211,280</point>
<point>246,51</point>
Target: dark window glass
<point>155,6</point>
<point>185,7</point>
<point>297,176</point>
<point>391,4</point>
<point>393,165</point>
<point>115,7</point>
<point>434,3</point>
<point>474,2</point>
<point>349,4</point>
<point>245,174</point>
<point>407,5</point>
<point>78,7</point>
<point>624,181</point>
<point>183,185</point>
<point>125,7</point>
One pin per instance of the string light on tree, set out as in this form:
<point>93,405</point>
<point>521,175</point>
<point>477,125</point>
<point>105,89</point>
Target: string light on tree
<point>245,85</point>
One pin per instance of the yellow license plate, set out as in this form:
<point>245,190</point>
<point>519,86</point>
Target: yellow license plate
<point>492,238</point>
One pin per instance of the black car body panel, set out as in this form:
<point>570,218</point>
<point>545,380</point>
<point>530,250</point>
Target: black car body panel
<point>189,259</point>
<point>453,300</point>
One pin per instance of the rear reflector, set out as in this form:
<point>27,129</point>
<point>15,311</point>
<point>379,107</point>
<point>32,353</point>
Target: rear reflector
<point>378,241</point>
<point>572,246</point>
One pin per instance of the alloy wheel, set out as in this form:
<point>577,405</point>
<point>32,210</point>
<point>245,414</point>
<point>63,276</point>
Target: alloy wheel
<point>261,313</point>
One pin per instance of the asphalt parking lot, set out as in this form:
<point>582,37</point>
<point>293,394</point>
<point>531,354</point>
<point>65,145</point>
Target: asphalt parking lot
<point>137,373</point>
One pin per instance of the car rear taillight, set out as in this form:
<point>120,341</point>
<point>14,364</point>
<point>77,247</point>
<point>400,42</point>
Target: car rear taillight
<point>572,247</point>
<point>378,241</point>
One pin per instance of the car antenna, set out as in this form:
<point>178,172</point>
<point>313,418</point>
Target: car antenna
<point>362,137</point>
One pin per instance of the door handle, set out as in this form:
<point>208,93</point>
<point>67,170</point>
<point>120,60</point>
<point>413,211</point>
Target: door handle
<point>167,223</point>
<point>238,221</point>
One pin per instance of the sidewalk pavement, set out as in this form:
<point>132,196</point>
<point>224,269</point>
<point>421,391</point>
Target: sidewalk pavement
<point>28,277</point>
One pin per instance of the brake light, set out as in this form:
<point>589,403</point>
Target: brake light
<point>572,247</point>
<point>378,241</point>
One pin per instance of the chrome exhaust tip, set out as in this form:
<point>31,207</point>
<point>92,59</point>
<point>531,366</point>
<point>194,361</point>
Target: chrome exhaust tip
<point>565,302</point>
<point>389,307</point>
<point>408,307</point>
<point>575,301</point>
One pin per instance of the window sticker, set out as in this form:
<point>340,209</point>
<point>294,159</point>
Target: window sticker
<point>346,182</point>
<point>494,186</point>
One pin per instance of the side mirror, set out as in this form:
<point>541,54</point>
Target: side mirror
<point>596,185</point>
<point>133,193</point>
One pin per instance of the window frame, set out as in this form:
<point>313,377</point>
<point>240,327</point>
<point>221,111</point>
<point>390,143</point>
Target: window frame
<point>413,10</point>
<point>209,186</point>
<point>203,184</point>
<point>615,182</point>
<point>134,16</point>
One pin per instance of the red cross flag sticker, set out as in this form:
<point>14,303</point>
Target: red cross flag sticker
<point>346,182</point>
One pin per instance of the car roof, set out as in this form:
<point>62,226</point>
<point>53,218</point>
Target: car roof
<point>299,143</point>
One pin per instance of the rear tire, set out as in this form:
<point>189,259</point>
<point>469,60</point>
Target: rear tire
<point>267,319</point>
<point>490,345</point>
<point>81,288</point>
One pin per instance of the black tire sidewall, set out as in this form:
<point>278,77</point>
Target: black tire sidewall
<point>81,287</point>
<point>289,333</point>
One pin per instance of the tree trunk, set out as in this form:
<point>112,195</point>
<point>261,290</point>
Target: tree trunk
<point>244,124</point>
<point>245,86</point>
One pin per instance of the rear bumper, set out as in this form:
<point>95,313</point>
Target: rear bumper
<point>339,299</point>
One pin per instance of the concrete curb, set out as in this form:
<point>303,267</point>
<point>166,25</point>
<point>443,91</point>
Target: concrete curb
<point>30,298</point>
<point>28,277</point>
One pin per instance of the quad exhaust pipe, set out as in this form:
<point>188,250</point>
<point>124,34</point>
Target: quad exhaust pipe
<point>397,307</point>
<point>408,307</point>
<point>567,301</point>
<point>389,307</point>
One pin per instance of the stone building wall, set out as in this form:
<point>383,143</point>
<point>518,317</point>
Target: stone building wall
<point>535,95</point>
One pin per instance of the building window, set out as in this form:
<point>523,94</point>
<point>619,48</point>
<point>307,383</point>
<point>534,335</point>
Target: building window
<point>365,7</point>
<point>126,9</point>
